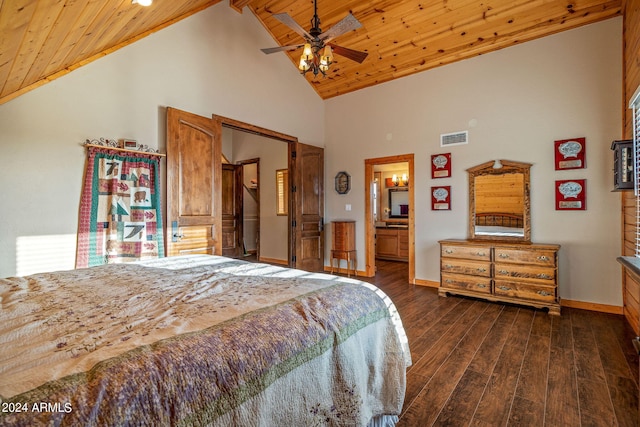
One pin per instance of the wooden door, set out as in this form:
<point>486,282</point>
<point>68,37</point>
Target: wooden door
<point>308,204</point>
<point>194,173</point>
<point>231,210</point>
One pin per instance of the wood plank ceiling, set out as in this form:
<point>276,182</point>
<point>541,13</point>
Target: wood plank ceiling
<point>41,40</point>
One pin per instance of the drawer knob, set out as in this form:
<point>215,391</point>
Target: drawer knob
<point>544,276</point>
<point>481,285</point>
<point>504,288</point>
<point>448,266</point>
<point>448,281</point>
<point>448,251</point>
<point>481,270</point>
<point>480,254</point>
<point>503,272</point>
<point>543,258</point>
<point>543,293</point>
<point>503,255</point>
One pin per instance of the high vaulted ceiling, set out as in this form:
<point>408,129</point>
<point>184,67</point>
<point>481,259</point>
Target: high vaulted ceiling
<point>41,40</point>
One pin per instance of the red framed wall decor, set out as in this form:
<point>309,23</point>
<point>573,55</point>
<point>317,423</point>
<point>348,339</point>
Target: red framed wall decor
<point>441,198</point>
<point>570,153</point>
<point>571,195</point>
<point>441,165</point>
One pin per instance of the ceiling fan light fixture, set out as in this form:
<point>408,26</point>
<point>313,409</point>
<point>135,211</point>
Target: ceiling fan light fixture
<point>317,54</point>
<point>142,2</point>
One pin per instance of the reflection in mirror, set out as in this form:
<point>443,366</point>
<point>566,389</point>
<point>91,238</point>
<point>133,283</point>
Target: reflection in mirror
<point>500,204</point>
<point>398,203</point>
<point>499,201</point>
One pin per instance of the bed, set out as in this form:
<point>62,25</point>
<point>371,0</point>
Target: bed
<point>198,340</point>
<point>499,224</point>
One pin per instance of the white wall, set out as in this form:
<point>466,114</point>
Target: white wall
<point>514,103</point>
<point>209,63</point>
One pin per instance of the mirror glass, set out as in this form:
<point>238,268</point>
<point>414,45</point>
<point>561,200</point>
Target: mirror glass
<point>499,201</point>
<point>398,203</point>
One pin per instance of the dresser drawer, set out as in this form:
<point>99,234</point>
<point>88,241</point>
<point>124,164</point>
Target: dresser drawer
<point>525,256</point>
<point>471,283</point>
<point>528,291</point>
<point>461,266</point>
<point>466,252</point>
<point>544,275</point>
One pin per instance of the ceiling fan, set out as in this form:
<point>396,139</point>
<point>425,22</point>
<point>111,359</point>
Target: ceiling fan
<point>317,54</point>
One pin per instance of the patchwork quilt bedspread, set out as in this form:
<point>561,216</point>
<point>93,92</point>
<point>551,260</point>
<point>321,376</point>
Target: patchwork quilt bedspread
<point>198,340</point>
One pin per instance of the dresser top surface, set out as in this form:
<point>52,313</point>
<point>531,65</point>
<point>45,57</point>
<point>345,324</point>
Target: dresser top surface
<point>497,243</point>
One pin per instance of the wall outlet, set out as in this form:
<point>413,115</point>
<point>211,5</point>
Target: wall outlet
<point>347,207</point>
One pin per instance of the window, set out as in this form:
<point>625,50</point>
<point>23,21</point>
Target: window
<point>282,193</point>
<point>635,106</point>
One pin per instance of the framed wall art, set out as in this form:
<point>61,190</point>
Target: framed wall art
<point>441,165</point>
<point>570,153</point>
<point>343,182</point>
<point>441,198</point>
<point>130,144</point>
<point>571,195</point>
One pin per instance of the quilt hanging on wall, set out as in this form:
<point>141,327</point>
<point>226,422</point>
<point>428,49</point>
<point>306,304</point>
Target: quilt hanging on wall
<point>120,212</point>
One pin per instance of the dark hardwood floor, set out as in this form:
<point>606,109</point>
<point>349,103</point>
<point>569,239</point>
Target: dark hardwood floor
<point>488,364</point>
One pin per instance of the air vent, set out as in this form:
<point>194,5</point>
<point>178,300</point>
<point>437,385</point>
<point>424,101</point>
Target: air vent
<point>456,138</point>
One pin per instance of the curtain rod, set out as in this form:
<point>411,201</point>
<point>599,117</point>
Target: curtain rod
<point>126,150</point>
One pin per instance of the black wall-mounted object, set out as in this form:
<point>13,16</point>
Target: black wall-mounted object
<point>623,160</point>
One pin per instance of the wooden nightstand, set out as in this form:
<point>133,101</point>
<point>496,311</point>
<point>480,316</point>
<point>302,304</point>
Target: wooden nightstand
<point>343,245</point>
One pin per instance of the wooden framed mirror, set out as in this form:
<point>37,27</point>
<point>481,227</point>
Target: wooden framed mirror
<point>499,205</point>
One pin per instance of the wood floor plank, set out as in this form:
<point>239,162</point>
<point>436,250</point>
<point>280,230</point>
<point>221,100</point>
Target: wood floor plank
<point>587,357</point>
<point>488,353</point>
<point>562,407</point>
<point>459,409</point>
<point>526,413</point>
<point>495,404</point>
<point>532,382</point>
<point>448,341</point>
<point>427,406</point>
<point>595,403</point>
<point>624,397</point>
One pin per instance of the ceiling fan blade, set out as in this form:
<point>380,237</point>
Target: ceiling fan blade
<point>347,24</point>
<point>289,22</point>
<point>269,50</point>
<point>354,55</point>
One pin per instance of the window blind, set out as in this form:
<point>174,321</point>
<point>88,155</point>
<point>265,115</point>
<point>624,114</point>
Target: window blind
<point>635,106</point>
<point>282,193</point>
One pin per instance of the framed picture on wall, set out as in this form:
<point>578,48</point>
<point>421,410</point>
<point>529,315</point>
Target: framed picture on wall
<point>441,198</point>
<point>570,153</point>
<point>571,195</point>
<point>441,165</point>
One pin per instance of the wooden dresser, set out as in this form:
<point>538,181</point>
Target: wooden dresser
<point>343,244</point>
<point>519,273</point>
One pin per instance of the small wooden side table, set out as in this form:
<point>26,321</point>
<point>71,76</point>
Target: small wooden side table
<point>349,256</point>
<point>343,244</point>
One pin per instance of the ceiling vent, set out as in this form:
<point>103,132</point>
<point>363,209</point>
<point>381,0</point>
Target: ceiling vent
<point>456,138</point>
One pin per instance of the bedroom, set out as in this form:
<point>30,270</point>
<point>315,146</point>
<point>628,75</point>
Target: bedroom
<point>514,102</point>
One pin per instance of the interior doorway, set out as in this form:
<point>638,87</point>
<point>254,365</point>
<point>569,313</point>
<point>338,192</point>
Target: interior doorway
<point>390,209</point>
<point>252,228</point>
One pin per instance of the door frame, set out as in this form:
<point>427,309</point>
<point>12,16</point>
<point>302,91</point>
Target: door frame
<point>370,230</point>
<point>220,121</point>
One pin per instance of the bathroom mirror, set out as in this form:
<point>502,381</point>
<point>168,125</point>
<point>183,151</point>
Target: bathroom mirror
<point>398,203</point>
<point>499,207</point>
